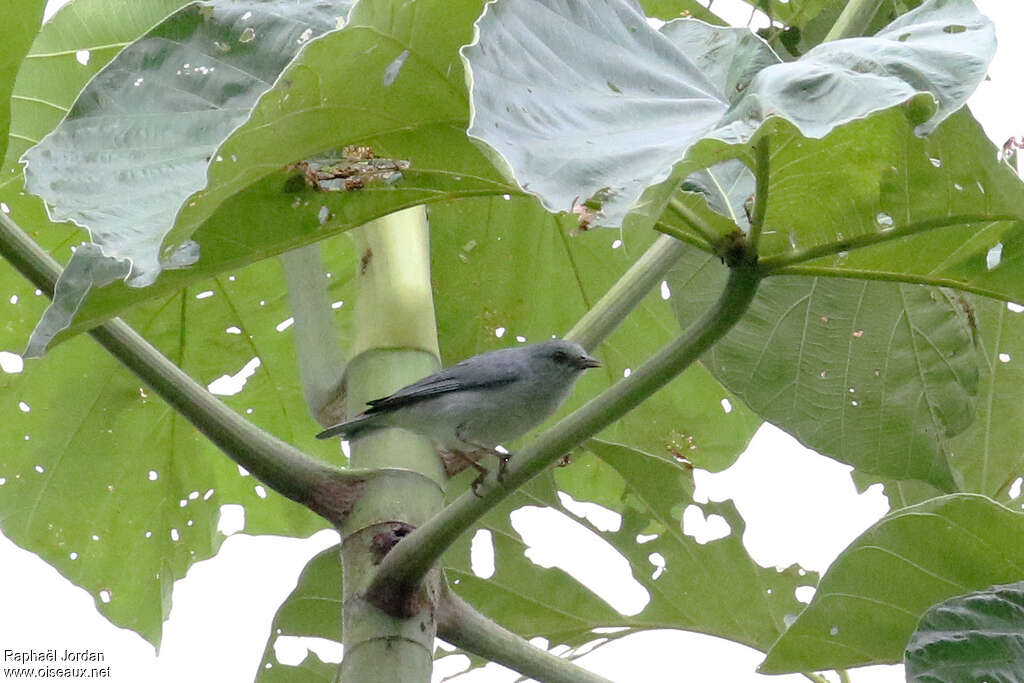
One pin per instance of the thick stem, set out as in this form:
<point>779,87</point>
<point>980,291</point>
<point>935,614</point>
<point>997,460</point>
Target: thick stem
<point>854,19</point>
<point>462,626</point>
<point>395,344</point>
<point>402,569</point>
<point>277,464</point>
<point>627,293</point>
<point>762,155</point>
<point>321,363</point>
<point>694,220</point>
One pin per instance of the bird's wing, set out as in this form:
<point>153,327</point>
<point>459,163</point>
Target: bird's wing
<point>469,374</point>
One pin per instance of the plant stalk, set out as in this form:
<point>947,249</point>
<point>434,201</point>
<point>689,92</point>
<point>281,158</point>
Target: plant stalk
<point>403,568</point>
<point>395,344</point>
<point>762,155</point>
<point>854,19</point>
<point>463,626</point>
<point>627,293</point>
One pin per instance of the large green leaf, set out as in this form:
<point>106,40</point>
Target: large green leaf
<point>687,591</point>
<point>559,130</point>
<point>988,454</point>
<point>92,452</point>
<point>877,375</point>
<point>22,18</point>
<point>973,637</point>
<point>870,600</point>
<point>69,50</point>
<point>141,136</point>
<point>257,207</point>
<point>499,262</point>
<point>918,209</point>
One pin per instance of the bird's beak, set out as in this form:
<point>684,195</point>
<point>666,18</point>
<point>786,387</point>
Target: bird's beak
<point>589,362</point>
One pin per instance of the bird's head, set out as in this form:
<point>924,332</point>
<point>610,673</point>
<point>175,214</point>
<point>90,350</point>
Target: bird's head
<point>566,356</point>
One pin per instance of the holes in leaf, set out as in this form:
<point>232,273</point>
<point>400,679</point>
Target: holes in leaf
<point>11,363</point>
<point>704,530</point>
<point>994,256</point>
<point>232,519</point>
<point>481,554</point>
<point>804,593</point>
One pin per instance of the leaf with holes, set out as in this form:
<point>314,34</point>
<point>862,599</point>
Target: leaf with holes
<point>141,135</point>
<point>939,210</point>
<point>254,207</point>
<point>877,375</point>
<point>868,603</point>
<point>976,637</point>
<point>101,456</point>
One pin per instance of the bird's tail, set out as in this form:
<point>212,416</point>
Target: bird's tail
<point>350,428</point>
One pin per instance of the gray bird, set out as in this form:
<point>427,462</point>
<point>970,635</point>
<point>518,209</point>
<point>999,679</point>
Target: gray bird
<point>486,400</point>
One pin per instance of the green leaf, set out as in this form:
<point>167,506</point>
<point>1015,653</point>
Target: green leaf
<point>673,9</point>
<point>83,452</point>
<point>919,210</point>
<point>252,208</point>
<point>876,375</point>
<point>69,50</point>
<point>988,453</point>
<point>975,637</point>
<point>22,19</point>
<point>141,136</point>
<point>312,609</point>
<point>497,262</point>
<point>869,601</point>
<point>559,131</point>
<point>727,189</point>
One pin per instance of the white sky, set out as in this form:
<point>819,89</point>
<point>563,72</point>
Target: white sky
<point>798,507</point>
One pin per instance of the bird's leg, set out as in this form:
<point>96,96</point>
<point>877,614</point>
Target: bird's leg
<point>483,471</point>
<point>502,456</point>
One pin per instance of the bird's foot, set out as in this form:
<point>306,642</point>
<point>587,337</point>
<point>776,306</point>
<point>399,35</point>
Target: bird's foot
<point>467,460</point>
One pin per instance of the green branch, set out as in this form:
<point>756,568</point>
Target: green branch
<point>461,625</point>
<point>854,19</point>
<point>683,236</point>
<point>277,464</point>
<point>770,264</point>
<point>403,568</point>
<point>762,155</point>
<point>694,220</point>
<point>627,293</point>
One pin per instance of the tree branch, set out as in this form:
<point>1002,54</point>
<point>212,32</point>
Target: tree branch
<point>854,19</point>
<point>627,293</point>
<point>461,625</point>
<point>410,560</point>
<point>762,154</point>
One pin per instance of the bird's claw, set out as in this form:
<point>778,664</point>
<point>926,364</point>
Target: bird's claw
<point>476,483</point>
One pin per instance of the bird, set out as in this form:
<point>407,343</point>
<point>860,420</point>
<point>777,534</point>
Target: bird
<point>470,408</point>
